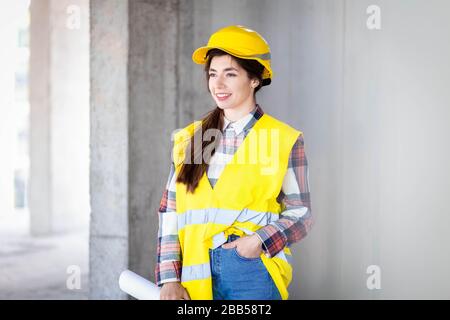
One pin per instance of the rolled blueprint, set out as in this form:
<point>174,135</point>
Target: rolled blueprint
<point>137,286</point>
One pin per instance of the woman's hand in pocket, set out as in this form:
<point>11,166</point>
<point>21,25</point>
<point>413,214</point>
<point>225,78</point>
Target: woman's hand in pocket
<point>248,247</point>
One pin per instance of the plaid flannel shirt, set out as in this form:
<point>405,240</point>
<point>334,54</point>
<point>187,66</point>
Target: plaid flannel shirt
<point>294,222</point>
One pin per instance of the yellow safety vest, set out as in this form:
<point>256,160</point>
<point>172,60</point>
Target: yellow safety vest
<point>242,201</point>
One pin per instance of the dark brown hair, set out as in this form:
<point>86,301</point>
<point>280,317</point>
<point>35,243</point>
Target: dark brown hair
<point>197,161</point>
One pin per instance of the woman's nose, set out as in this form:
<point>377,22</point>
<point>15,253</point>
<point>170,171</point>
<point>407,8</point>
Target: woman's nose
<point>221,77</point>
<point>219,83</point>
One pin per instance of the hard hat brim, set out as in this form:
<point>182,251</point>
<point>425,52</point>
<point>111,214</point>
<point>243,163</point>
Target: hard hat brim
<point>199,57</point>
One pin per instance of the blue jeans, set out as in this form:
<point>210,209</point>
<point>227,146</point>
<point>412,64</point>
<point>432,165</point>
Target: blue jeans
<point>238,278</point>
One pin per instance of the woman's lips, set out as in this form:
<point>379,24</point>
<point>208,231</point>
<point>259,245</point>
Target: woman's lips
<point>223,97</point>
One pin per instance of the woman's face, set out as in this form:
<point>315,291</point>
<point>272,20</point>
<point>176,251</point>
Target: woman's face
<point>229,84</point>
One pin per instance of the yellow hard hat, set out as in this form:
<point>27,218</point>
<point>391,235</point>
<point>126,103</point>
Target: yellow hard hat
<point>240,42</point>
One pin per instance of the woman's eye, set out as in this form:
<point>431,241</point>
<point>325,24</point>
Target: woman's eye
<point>213,75</point>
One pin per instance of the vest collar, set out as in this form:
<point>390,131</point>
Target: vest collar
<point>245,123</point>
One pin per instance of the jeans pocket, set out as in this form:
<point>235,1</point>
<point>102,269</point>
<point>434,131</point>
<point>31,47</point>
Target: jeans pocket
<point>236,253</point>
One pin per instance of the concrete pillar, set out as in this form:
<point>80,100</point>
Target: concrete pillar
<point>8,39</point>
<point>141,90</point>
<point>59,126</point>
<point>108,245</point>
<point>40,178</point>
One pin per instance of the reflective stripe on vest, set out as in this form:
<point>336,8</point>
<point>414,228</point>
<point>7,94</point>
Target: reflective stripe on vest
<point>195,272</point>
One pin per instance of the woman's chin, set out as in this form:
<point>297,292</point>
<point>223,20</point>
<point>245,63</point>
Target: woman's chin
<point>223,106</point>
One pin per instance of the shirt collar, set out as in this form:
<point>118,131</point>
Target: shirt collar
<point>241,123</point>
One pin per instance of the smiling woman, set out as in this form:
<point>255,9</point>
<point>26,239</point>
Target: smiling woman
<point>225,225</point>
<point>233,83</point>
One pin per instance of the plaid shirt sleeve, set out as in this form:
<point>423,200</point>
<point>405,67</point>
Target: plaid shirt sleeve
<point>296,219</point>
<point>168,266</point>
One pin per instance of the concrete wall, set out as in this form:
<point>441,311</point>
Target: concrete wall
<point>371,104</point>
<point>385,173</point>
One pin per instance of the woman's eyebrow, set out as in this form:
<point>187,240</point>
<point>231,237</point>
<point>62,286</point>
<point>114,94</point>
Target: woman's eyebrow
<point>227,69</point>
